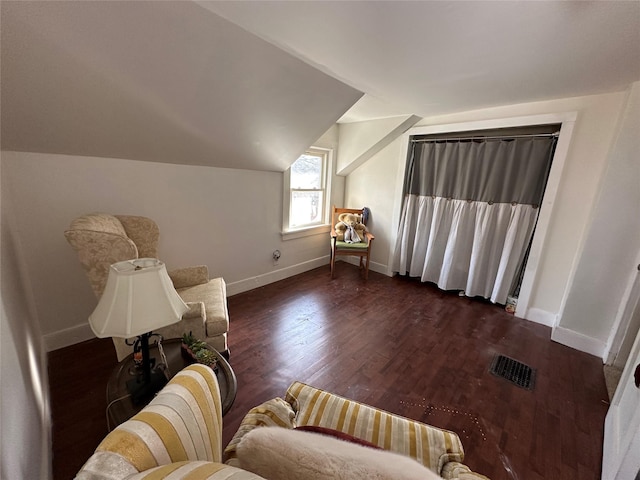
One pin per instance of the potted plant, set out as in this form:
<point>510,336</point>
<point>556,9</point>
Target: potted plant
<point>197,351</point>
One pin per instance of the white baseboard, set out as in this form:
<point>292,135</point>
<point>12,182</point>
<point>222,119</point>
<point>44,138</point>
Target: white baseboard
<point>373,266</point>
<point>579,341</point>
<point>280,274</point>
<point>82,332</point>
<point>68,336</point>
<point>543,317</point>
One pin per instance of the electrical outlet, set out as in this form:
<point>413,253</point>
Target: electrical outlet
<point>276,255</point>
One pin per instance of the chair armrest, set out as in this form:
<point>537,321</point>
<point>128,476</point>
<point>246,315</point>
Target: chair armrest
<point>275,412</point>
<point>182,423</point>
<point>459,471</point>
<point>370,236</point>
<point>196,310</point>
<point>189,276</point>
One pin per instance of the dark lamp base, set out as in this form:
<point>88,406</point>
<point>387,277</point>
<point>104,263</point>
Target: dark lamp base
<point>141,391</point>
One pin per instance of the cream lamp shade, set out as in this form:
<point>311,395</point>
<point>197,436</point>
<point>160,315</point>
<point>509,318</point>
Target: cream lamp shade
<point>138,298</point>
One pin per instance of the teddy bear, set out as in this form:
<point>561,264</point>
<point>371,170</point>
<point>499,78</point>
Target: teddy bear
<point>350,228</point>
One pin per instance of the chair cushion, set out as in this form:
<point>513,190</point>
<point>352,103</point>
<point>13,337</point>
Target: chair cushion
<point>351,246</point>
<point>189,276</point>
<point>281,454</point>
<point>433,447</point>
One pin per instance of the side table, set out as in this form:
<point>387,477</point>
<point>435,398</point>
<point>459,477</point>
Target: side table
<point>119,405</point>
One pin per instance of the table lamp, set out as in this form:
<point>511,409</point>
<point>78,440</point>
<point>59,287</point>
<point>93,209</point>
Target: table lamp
<point>138,298</point>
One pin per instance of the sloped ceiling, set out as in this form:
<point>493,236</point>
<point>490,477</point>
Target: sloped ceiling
<point>250,84</point>
<point>437,57</point>
<point>157,81</point>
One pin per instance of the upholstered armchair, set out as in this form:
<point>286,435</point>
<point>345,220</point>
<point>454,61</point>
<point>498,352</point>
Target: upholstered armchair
<point>101,239</point>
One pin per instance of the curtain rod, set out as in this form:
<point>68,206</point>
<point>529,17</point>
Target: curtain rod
<point>423,140</point>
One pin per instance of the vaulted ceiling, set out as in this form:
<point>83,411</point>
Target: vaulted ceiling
<point>157,81</point>
<point>437,57</point>
<point>250,84</point>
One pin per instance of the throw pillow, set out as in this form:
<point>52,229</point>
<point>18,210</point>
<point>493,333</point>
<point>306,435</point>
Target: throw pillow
<point>281,454</point>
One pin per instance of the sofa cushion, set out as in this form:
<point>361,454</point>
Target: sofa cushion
<point>431,446</point>
<point>282,454</point>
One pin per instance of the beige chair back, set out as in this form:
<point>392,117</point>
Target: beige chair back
<point>101,239</point>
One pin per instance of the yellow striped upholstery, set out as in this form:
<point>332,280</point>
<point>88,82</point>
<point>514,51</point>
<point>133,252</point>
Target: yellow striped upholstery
<point>183,422</point>
<point>438,449</point>
<point>458,471</point>
<point>179,434</point>
<point>275,412</point>
<point>196,471</point>
<point>433,447</point>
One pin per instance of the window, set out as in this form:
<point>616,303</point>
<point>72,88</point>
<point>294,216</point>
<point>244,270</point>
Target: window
<point>307,190</point>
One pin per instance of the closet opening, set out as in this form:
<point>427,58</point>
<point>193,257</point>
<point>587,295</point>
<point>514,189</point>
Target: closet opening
<point>471,202</point>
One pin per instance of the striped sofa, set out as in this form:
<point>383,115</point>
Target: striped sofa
<point>438,449</point>
<point>178,435</point>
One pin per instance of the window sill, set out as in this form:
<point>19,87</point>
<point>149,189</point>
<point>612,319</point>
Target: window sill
<point>306,232</point>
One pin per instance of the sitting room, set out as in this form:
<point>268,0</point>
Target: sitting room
<point>460,315</point>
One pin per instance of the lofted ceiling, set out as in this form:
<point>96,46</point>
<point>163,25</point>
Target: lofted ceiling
<point>438,57</point>
<point>157,81</point>
<point>250,84</point>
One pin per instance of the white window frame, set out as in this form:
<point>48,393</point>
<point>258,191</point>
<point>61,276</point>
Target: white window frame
<point>289,232</point>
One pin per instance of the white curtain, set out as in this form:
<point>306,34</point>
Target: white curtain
<point>461,245</point>
<point>469,212</point>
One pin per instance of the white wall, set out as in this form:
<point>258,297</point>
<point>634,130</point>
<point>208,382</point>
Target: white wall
<point>25,444</point>
<point>373,185</point>
<point>330,140</point>
<point>365,139</point>
<point>587,159</point>
<point>612,242</point>
<point>227,219</point>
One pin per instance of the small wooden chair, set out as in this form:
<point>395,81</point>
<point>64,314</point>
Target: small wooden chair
<point>361,249</point>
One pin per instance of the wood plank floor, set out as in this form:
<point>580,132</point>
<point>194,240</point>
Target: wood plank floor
<point>394,343</point>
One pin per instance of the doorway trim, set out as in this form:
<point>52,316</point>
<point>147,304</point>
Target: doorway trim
<point>567,121</point>
<point>622,323</point>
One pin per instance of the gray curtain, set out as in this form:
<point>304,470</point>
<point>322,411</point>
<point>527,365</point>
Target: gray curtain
<point>494,170</point>
<point>469,211</point>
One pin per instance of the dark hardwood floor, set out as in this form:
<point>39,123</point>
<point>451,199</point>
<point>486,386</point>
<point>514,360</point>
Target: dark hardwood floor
<point>394,343</point>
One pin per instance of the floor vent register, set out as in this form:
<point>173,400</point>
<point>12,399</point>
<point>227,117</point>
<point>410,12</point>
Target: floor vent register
<point>516,372</point>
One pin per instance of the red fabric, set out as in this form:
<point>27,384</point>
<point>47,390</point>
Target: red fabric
<point>337,434</point>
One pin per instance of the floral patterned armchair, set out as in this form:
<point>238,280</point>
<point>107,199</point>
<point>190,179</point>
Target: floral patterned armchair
<point>101,239</point>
